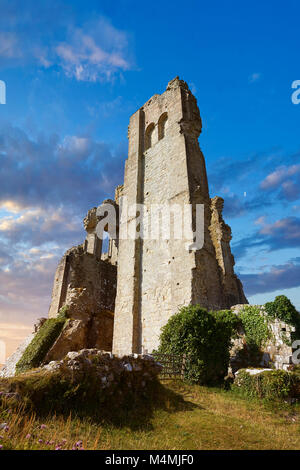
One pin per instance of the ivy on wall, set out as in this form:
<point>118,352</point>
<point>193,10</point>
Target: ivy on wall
<point>256,326</point>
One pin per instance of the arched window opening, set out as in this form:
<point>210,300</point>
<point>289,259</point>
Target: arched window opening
<point>149,136</point>
<point>162,124</point>
<point>105,245</point>
<point>109,249</point>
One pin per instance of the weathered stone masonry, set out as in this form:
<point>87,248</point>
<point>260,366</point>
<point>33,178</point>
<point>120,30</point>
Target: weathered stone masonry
<point>140,283</point>
<point>166,166</point>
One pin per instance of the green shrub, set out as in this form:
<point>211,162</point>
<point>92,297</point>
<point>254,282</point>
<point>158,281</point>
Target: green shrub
<point>275,384</point>
<point>42,342</point>
<point>205,338</point>
<point>283,309</point>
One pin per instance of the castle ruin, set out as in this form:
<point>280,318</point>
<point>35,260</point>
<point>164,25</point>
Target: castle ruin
<point>120,300</point>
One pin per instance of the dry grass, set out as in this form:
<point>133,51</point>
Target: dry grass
<point>191,417</point>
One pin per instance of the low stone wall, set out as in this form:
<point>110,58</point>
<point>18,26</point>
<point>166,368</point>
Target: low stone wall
<point>132,371</point>
<point>89,378</point>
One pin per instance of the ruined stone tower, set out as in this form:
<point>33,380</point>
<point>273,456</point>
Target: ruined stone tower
<point>166,166</point>
<point>121,299</point>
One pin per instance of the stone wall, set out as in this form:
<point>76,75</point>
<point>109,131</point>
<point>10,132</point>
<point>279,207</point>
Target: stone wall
<point>88,290</point>
<point>81,271</point>
<point>131,372</point>
<point>155,277</point>
<point>104,381</point>
<point>220,233</point>
<point>59,286</point>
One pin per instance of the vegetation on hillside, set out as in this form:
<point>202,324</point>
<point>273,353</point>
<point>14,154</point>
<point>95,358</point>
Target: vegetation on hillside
<point>46,410</point>
<point>42,342</point>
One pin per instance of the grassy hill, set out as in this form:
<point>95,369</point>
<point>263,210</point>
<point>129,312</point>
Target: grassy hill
<point>177,416</point>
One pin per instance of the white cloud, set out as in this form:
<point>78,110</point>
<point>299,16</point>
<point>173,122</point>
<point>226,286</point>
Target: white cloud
<point>274,179</point>
<point>260,220</point>
<point>11,206</point>
<point>9,45</point>
<point>75,148</point>
<point>95,52</point>
<point>193,88</point>
<point>38,221</point>
<point>287,228</point>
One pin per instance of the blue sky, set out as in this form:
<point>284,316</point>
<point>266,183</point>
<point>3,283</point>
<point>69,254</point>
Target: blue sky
<point>76,70</point>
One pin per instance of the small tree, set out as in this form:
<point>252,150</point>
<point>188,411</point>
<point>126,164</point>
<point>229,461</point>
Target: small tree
<point>283,309</point>
<point>205,338</point>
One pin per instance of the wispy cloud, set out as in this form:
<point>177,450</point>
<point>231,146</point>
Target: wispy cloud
<point>275,277</point>
<point>25,289</point>
<point>255,175</point>
<point>286,179</point>
<point>287,228</point>
<point>254,77</point>
<point>47,185</point>
<point>9,45</point>
<point>37,226</point>
<point>95,51</point>
<point>283,233</point>
<point>50,171</point>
